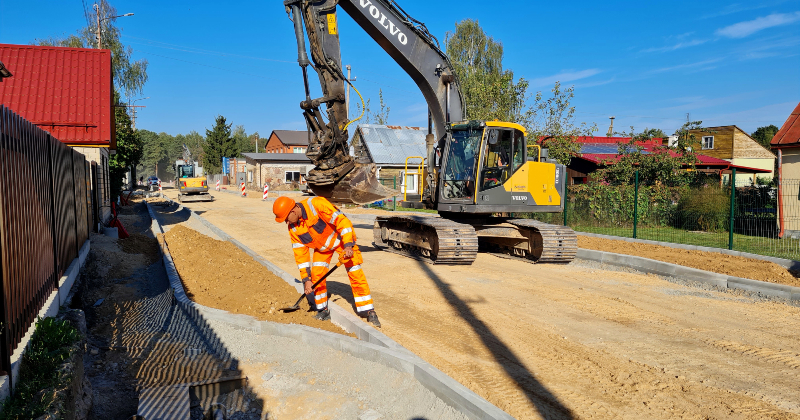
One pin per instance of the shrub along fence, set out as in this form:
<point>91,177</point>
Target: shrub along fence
<point>46,213</point>
<point>746,218</point>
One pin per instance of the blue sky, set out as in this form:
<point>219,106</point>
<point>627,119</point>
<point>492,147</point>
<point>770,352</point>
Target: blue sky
<point>647,63</point>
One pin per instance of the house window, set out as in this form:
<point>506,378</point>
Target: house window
<point>708,142</point>
<point>409,183</point>
<point>292,176</point>
<point>299,150</point>
<point>249,176</point>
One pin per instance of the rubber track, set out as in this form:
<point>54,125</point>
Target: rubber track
<point>457,242</point>
<point>560,243</point>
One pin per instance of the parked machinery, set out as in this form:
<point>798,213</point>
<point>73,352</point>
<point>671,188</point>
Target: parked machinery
<point>189,179</point>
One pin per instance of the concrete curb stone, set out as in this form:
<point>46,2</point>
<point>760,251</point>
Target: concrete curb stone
<point>674,270</point>
<point>372,344</point>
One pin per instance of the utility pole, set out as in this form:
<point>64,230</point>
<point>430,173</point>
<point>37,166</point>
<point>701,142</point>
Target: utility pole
<point>347,93</point>
<point>611,128</point>
<point>99,42</point>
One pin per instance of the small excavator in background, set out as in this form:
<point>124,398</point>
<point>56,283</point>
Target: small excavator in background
<point>189,180</point>
<point>474,171</point>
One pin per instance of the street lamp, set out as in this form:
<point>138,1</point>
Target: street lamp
<point>97,9</point>
<point>134,110</point>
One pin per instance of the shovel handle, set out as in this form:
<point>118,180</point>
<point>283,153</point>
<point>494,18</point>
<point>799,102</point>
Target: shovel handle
<point>314,286</point>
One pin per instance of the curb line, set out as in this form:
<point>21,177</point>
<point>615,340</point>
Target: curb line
<point>723,281</point>
<point>372,344</point>
<point>783,262</point>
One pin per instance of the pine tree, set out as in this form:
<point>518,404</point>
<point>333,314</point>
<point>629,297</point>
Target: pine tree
<point>219,144</point>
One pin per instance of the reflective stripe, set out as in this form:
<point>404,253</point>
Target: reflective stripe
<point>330,238</point>
<point>320,264</point>
<point>303,265</point>
<point>323,305</point>
<point>321,296</point>
<point>364,308</point>
<point>311,206</point>
<point>298,245</point>
<point>336,243</point>
<point>294,229</point>
<point>346,231</point>
<point>354,268</point>
<point>362,299</point>
<point>335,214</point>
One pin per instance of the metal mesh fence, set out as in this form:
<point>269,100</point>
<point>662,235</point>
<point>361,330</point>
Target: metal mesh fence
<point>388,203</point>
<point>759,218</point>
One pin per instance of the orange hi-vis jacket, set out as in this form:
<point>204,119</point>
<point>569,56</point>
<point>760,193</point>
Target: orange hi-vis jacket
<point>322,227</point>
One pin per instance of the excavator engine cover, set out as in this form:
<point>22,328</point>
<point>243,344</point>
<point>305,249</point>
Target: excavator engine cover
<point>359,186</point>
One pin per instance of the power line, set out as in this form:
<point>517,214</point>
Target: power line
<point>206,65</point>
<point>200,51</point>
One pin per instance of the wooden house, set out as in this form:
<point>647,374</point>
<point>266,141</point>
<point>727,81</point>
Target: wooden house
<point>732,144</point>
<point>787,143</point>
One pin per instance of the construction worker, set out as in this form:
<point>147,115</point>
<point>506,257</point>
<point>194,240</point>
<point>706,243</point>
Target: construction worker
<point>315,223</point>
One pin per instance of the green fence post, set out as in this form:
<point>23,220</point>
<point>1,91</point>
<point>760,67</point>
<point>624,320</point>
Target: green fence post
<point>566,189</point>
<point>635,203</point>
<point>733,202</point>
<point>394,199</point>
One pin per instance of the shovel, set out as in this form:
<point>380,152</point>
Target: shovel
<point>296,305</point>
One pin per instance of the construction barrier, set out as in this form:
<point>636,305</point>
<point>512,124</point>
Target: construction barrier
<point>244,193</point>
<point>217,185</point>
<point>266,192</point>
<point>159,186</point>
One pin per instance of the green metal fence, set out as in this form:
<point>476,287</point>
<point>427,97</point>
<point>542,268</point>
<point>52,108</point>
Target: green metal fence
<point>745,218</point>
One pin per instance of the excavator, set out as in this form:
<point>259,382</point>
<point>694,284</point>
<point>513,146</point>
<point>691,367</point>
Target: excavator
<point>191,183</point>
<point>476,172</point>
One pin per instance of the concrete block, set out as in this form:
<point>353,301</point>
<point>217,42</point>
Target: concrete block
<point>766,288</point>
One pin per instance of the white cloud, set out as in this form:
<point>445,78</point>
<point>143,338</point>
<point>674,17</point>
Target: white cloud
<point>563,77</point>
<point>743,29</point>
<point>686,66</point>
<point>677,46</point>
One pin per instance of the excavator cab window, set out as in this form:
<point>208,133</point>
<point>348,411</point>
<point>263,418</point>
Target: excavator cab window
<point>504,153</point>
<point>460,162</point>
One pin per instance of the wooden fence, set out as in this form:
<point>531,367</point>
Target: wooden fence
<point>46,213</point>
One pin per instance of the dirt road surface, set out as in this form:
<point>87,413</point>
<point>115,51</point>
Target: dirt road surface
<point>563,342</point>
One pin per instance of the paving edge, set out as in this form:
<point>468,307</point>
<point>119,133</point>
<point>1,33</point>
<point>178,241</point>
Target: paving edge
<point>783,262</point>
<point>687,273</point>
<point>372,345</point>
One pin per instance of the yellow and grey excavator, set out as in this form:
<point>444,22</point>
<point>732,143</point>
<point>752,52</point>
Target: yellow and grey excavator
<point>474,170</point>
<point>189,180</point>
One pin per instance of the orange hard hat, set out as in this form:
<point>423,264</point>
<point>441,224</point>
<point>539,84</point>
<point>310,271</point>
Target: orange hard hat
<point>282,207</point>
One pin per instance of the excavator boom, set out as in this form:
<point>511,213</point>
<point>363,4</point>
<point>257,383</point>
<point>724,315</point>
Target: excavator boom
<point>337,175</point>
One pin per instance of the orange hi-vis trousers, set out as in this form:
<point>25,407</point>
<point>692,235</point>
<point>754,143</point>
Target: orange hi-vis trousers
<point>358,281</point>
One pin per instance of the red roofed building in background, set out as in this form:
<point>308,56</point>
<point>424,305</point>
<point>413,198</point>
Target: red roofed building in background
<point>597,152</point>
<point>787,142</point>
<point>69,93</point>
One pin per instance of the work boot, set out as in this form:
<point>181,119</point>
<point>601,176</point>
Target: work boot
<point>323,315</point>
<point>372,317</point>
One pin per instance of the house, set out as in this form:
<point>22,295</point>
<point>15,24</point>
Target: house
<point>287,141</point>
<point>732,144</point>
<point>276,168</point>
<point>787,143</point>
<point>597,152</point>
<point>67,92</point>
<point>398,152</point>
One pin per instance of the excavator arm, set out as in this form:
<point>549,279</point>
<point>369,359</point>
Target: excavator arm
<point>336,174</point>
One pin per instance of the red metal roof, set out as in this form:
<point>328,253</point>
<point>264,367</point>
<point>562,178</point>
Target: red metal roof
<point>703,160</point>
<point>789,134</point>
<point>66,91</point>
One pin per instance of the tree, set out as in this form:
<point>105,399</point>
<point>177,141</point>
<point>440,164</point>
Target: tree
<point>241,140</point>
<point>382,116</point>
<point>129,150</point>
<point>129,75</point>
<point>551,123</point>
<point>219,144</point>
<point>764,135</point>
<point>489,90</point>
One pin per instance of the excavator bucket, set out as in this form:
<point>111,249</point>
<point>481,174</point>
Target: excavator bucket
<point>359,186</point>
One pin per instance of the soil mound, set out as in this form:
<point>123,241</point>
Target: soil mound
<point>219,275</point>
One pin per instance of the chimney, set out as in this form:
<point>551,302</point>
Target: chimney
<point>611,128</point>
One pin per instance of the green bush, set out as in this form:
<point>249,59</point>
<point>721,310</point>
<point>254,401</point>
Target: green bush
<point>51,344</point>
<point>704,209</point>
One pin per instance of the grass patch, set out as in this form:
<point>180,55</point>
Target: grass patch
<point>51,344</point>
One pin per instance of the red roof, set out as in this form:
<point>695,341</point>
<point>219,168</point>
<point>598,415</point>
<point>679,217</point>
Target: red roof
<point>657,141</point>
<point>66,91</point>
<point>789,134</point>
<point>703,160</point>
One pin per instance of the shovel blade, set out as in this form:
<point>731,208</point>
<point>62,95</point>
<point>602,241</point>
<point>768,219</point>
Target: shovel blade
<point>290,309</point>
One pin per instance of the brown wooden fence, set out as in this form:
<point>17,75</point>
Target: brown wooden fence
<point>45,217</point>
